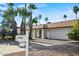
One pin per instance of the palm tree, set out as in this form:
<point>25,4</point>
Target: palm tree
<point>31,8</point>
<point>39,17</point>
<point>23,12</point>
<point>46,19</point>
<point>35,20</point>
<point>75,10</point>
<point>65,16</point>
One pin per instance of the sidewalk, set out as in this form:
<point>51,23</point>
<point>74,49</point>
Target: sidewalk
<point>10,49</point>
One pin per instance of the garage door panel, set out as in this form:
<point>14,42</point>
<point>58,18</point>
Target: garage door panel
<point>59,33</point>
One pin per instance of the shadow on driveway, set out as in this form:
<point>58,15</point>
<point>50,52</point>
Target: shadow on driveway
<point>56,50</point>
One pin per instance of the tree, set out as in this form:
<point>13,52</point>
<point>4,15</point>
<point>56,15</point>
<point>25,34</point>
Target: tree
<point>46,19</point>
<point>13,14</point>
<point>23,12</point>
<point>39,17</point>
<point>10,15</point>
<point>75,10</point>
<point>4,27</point>
<point>65,16</point>
<point>35,20</point>
<point>31,8</point>
<point>74,34</point>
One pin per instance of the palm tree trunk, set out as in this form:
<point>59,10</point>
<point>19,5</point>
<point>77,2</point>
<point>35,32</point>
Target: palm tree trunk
<point>36,32</point>
<point>9,26</point>
<point>25,22</point>
<point>14,31</point>
<point>30,29</point>
<point>3,34</point>
<point>76,16</point>
<point>39,22</point>
<point>24,25</point>
<point>65,19</point>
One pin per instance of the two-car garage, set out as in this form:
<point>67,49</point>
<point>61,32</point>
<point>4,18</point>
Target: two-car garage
<point>58,33</point>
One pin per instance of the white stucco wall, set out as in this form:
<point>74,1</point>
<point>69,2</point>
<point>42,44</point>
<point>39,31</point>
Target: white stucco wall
<point>42,33</point>
<point>58,33</point>
<point>33,33</point>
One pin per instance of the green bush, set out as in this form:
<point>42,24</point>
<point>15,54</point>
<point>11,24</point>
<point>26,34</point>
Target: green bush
<point>74,34</point>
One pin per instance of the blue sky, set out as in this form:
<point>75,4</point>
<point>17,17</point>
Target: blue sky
<point>54,11</point>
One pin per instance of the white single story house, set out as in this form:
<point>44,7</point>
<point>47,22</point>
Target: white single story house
<point>58,30</point>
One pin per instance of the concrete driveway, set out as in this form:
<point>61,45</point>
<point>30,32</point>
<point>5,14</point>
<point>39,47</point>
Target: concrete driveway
<point>52,48</point>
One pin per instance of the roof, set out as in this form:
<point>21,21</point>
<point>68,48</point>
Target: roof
<point>61,24</point>
<point>69,23</point>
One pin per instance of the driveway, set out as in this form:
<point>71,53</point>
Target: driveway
<point>52,48</point>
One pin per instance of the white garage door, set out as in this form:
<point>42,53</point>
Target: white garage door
<point>58,33</point>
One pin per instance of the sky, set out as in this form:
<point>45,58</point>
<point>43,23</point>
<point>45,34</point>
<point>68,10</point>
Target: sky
<point>54,11</point>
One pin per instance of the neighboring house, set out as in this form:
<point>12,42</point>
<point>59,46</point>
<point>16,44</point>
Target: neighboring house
<point>58,30</point>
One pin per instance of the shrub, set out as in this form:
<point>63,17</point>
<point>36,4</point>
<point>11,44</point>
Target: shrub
<point>74,34</point>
